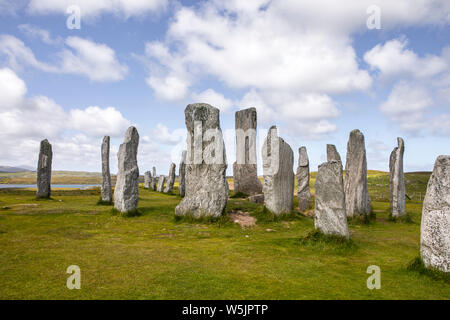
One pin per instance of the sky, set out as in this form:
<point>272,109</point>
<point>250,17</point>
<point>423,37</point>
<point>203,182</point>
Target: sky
<point>315,69</point>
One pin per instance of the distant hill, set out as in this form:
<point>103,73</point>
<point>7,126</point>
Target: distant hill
<point>15,169</point>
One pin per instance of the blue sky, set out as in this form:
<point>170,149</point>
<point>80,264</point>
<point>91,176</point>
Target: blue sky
<point>314,69</point>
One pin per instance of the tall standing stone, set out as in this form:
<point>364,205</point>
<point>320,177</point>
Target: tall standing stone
<point>161,182</point>
<point>303,191</point>
<point>332,153</point>
<point>154,179</point>
<point>44,170</point>
<point>355,184</point>
<point>126,192</point>
<point>106,175</point>
<point>147,179</point>
<point>330,215</point>
<point>244,169</point>
<point>182,174</point>
<point>278,161</point>
<point>435,226</point>
<point>206,164</point>
<point>397,180</point>
<point>170,179</point>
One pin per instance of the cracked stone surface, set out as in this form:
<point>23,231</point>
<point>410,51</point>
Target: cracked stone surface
<point>435,226</point>
<point>170,178</point>
<point>303,190</point>
<point>206,184</point>
<point>397,180</point>
<point>126,192</point>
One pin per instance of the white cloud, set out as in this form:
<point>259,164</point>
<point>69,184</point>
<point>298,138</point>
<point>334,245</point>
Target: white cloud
<point>213,98</point>
<point>171,88</point>
<point>89,8</point>
<point>406,104</point>
<point>162,134</point>
<point>393,59</point>
<point>12,89</point>
<point>96,61</point>
<point>24,121</point>
<point>42,34</point>
<point>97,121</point>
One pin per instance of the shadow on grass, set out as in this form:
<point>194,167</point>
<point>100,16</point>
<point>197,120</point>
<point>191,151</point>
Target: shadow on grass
<point>100,202</point>
<point>406,218</point>
<point>417,265</point>
<point>128,214</point>
<point>333,243</point>
<point>238,195</point>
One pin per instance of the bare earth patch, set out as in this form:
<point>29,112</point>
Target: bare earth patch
<point>244,219</point>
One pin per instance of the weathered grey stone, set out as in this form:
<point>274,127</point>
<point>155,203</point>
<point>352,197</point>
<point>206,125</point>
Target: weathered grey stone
<point>44,170</point>
<point>170,179</point>
<point>154,180</point>
<point>257,198</point>
<point>182,174</point>
<point>355,183</point>
<point>245,169</point>
<point>147,179</point>
<point>330,214</point>
<point>435,226</point>
<point>161,182</point>
<point>126,192</point>
<point>397,180</point>
<point>278,161</point>
<point>332,153</point>
<point>106,176</point>
<point>303,191</point>
<point>206,164</point>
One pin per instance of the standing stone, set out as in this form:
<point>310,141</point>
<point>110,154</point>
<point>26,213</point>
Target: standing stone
<point>44,170</point>
<point>171,179</point>
<point>182,174</point>
<point>206,164</point>
<point>330,215</point>
<point>106,176</point>
<point>278,161</point>
<point>303,191</point>
<point>435,226</point>
<point>126,192</point>
<point>332,153</point>
<point>147,179</point>
<point>154,179</point>
<point>355,184</point>
<point>244,169</point>
<point>161,182</point>
<point>397,180</point>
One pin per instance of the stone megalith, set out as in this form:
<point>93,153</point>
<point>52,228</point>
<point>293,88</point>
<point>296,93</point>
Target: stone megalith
<point>330,215</point>
<point>303,191</point>
<point>206,164</point>
<point>154,179</point>
<point>126,192</point>
<point>332,153</point>
<point>161,182</point>
<point>44,170</point>
<point>106,175</point>
<point>170,179</point>
<point>147,179</point>
<point>435,226</point>
<point>182,174</point>
<point>357,200</point>
<point>397,180</point>
<point>244,169</point>
<point>278,163</point>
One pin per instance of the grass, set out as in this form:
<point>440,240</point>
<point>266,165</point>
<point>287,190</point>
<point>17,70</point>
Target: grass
<point>155,256</point>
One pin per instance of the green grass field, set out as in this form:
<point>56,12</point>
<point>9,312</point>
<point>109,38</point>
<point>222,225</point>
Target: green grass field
<point>153,256</point>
